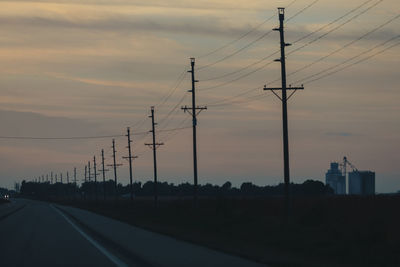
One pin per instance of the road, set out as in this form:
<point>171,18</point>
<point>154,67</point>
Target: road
<point>34,233</point>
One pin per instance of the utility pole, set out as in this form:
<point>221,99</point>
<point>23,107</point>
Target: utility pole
<point>85,173</point>
<point>129,158</point>
<point>284,98</point>
<point>67,178</point>
<point>103,170</point>
<point>89,180</point>
<point>115,165</point>
<point>95,177</point>
<point>74,182</point>
<point>154,145</point>
<point>194,112</point>
<point>61,178</point>
<point>86,185</point>
<point>89,176</point>
<point>51,177</point>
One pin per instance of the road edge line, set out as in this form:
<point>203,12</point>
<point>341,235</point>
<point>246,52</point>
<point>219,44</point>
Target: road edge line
<point>103,250</point>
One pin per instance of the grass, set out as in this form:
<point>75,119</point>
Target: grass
<point>3,201</point>
<point>323,231</point>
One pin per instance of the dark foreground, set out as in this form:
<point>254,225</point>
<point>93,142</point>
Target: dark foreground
<point>323,231</point>
<point>3,201</point>
<point>36,233</point>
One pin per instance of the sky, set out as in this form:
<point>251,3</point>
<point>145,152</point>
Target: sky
<point>93,68</point>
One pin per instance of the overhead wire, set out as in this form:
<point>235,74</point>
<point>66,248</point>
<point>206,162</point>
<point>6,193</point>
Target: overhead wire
<point>335,28</point>
<point>254,41</point>
<point>242,36</point>
<point>277,51</point>
<point>345,46</point>
<point>305,80</point>
<point>237,51</point>
<point>352,64</point>
<point>61,138</point>
<point>302,10</point>
<point>243,101</point>
<point>293,51</point>
<point>332,22</point>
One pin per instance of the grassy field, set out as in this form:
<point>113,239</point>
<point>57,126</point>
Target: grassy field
<point>323,231</point>
<point>3,201</point>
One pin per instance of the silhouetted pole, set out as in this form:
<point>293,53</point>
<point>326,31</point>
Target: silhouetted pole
<point>104,173</point>
<point>85,173</point>
<point>284,98</point>
<point>95,177</point>
<point>51,177</point>
<point>194,120</point>
<point>129,158</point>
<point>74,182</point>
<point>47,177</point>
<point>154,145</point>
<point>55,176</point>
<point>84,192</point>
<point>89,176</point>
<point>115,165</point>
<point>61,178</point>
<point>67,188</point>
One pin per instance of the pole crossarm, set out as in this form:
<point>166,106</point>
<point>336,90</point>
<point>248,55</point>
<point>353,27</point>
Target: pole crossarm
<point>273,89</point>
<point>116,165</point>
<point>157,145</point>
<point>189,109</point>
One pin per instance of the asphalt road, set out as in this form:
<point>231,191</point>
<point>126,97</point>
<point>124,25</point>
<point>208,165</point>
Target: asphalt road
<point>34,233</point>
<point>37,235</point>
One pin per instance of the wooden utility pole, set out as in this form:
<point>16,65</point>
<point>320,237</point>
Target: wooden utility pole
<point>284,98</point>
<point>194,111</point>
<point>154,146</point>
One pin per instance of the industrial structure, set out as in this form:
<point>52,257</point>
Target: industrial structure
<point>360,182</point>
<point>335,179</point>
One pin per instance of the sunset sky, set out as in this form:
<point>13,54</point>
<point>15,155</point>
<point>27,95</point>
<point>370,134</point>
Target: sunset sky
<point>94,67</point>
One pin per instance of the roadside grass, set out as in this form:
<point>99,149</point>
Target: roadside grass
<point>4,201</point>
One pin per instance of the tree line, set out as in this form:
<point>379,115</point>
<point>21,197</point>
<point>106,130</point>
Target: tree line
<point>108,189</point>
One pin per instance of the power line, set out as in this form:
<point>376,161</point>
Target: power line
<point>237,51</point>
<point>173,109</point>
<point>345,46</point>
<point>335,28</point>
<point>354,63</point>
<point>242,69</point>
<point>175,87</point>
<point>332,22</point>
<point>242,36</point>
<point>237,39</point>
<point>254,41</point>
<point>302,10</point>
<point>347,60</point>
<point>276,52</point>
<point>233,97</point>
<point>238,78</point>
<point>243,101</point>
<point>60,138</point>
<point>291,52</point>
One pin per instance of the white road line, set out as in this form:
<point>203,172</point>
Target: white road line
<point>113,258</point>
